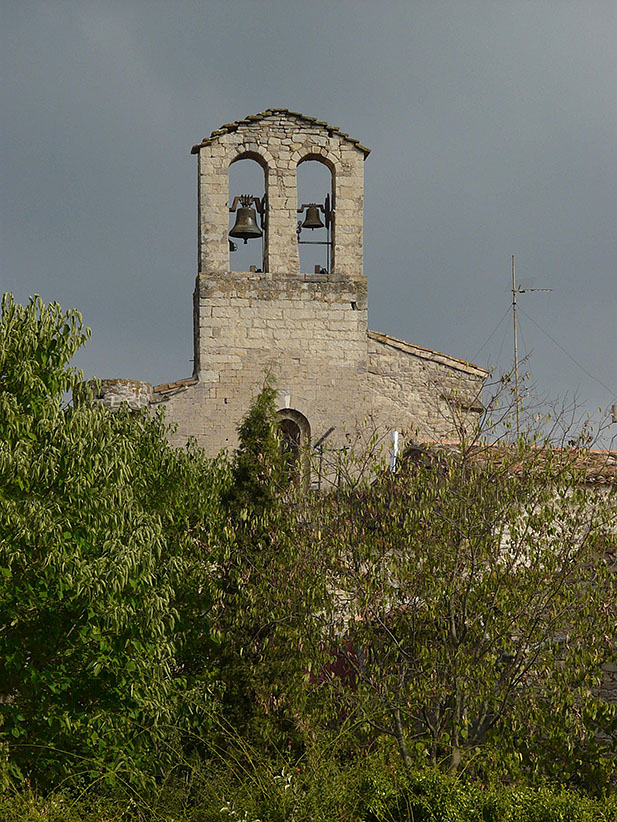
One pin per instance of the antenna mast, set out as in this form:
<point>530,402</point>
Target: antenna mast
<point>518,427</point>
<point>517,290</point>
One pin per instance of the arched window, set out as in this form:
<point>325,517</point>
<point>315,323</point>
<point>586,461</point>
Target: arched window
<point>295,442</point>
<point>246,177</point>
<point>315,188</point>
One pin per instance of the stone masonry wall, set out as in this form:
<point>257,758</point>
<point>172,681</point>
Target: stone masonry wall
<point>309,329</point>
<point>421,392</point>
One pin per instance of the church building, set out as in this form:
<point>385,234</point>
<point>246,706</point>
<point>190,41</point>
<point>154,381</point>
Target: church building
<point>309,328</point>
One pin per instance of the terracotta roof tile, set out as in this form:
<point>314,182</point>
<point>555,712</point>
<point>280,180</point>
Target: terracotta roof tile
<point>596,466</point>
<point>171,387</point>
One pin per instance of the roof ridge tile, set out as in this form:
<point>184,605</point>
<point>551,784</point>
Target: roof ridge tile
<point>228,128</point>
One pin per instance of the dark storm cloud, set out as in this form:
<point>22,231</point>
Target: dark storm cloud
<point>493,127</point>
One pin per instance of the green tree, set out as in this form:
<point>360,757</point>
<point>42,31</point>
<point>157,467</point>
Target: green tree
<point>471,606</point>
<point>263,596</point>
<point>102,547</point>
<point>259,475</point>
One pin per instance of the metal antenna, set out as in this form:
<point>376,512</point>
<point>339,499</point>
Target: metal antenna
<point>516,291</point>
<point>518,429</point>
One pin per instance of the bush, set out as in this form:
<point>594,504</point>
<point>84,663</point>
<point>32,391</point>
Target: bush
<point>317,791</point>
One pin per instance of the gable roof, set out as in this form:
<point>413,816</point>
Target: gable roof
<point>228,128</point>
<point>428,354</point>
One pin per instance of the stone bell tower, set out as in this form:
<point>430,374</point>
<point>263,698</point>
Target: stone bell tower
<point>308,328</point>
<point>279,140</point>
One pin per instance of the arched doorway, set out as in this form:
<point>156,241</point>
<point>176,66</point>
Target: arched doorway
<point>290,443</point>
<point>295,442</point>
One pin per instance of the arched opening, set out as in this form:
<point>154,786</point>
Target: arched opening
<point>315,188</point>
<point>247,178</point>
<point>295,442</point>
<point>290,444</point>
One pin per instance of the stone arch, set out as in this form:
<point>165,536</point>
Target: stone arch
<point>251,151</point>
<point>247,150</point>
<point>319,153</point>
<point>295,443</point>
<point>251,178</point>
<point>314,257</point>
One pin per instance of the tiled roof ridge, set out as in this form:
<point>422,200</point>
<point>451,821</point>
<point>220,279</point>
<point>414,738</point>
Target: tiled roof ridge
<point>228,128</point>
<point>426,353</point>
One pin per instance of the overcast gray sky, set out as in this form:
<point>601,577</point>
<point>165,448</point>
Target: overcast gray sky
<point>493,129</point>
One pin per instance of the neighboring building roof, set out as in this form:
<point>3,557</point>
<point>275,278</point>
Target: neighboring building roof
<point>167,389</point>
<point>428,354</point>
<point>596,466</point>
<point>228,128</point>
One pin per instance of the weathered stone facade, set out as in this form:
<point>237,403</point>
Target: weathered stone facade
<point>309,329</point>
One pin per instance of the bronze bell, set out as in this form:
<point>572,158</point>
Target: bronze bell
<point>245,227</point>
<point>312,219</point>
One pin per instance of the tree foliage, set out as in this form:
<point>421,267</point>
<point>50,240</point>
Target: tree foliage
<point>262,596</point>
<point>472,601</point>
<point>157,606</point>
<point>97,543</point>
<point>259,475</point>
